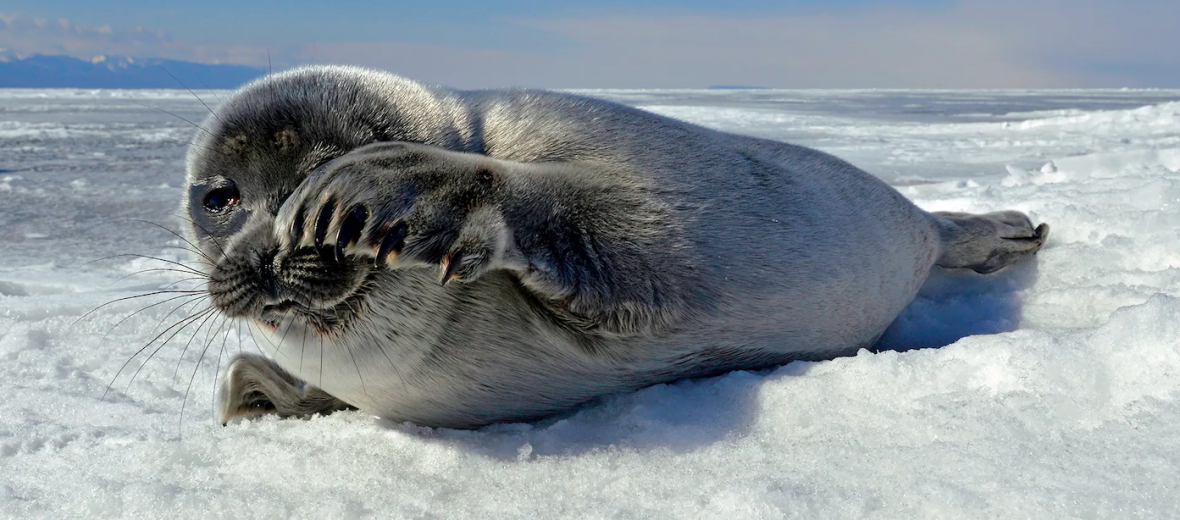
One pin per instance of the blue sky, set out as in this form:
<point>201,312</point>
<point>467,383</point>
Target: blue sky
<point>616,43</point>
<point>488,24</point>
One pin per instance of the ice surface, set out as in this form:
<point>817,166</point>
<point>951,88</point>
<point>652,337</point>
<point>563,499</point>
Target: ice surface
<point>1055,391</point>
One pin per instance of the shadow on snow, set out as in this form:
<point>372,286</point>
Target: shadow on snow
<point>687,415</point>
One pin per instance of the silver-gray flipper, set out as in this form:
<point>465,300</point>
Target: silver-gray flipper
<point>254,386</point>
<point>989,242</point>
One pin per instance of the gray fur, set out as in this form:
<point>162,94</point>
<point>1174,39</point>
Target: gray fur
<point>584,248</point>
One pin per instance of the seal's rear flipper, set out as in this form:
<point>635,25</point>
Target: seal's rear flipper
<point>254,386</point>
<point>989,242</point>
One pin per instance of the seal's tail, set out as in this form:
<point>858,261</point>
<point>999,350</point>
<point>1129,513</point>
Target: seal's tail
<point>989,242</point>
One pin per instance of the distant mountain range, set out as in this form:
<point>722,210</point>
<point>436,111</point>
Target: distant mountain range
<point>47,71</point>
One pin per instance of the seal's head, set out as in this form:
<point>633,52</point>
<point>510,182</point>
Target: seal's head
<point>254,151</point>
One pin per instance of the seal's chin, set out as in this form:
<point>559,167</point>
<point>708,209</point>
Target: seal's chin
<point>325,318</point>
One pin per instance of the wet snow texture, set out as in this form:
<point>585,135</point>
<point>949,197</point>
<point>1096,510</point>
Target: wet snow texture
<point>1055,393</point>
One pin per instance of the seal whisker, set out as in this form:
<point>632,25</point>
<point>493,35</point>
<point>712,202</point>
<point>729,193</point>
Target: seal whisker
<point>189,279</point>
<point>205,312</point>
<point>381,347</point>
<point>179,359</point>
<point>191,298</point>
<point>198,127</point>
<point>200,317</point>
<point>211,91</point>
<point>396,371</point>
<point>257,344</point>
<point>306,302</point>
<point>185,249</point>
<point>193,377</point>
<point>155,270</point>
<point>149,257</point>
<point>117,300</point>
<point>217,370</point>
<point>207,233</point>
<point>302,349</point>
<point>351,354</point>
<point>190,91</point>
<point>141,349</point>
<point>194,247</point>
<point>197,300</point>
<point>359,375</point>
<point>193,144</point>
<point>283,337</point>
<point>212,332</point>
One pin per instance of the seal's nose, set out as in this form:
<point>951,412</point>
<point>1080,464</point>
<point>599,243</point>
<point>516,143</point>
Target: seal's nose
<point>266,264</point>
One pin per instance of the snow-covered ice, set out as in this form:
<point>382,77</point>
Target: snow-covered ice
<point>1054,393</point>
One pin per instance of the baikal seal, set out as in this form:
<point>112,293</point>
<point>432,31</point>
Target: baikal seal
<point>460,258</point>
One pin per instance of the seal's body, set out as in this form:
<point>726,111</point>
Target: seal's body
<point>461,258</point>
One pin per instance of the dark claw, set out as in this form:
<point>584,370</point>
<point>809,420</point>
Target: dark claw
<point>1042,231</point>
<point>322,222</point>
<point>450,263</point>
<point>394,241</point>
<point>350,229</point>
<point>296,231</point>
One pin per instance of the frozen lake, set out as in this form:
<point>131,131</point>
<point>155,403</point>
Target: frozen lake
<point>1055,393</point>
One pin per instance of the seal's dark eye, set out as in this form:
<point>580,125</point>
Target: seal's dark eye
<point>221,198</point>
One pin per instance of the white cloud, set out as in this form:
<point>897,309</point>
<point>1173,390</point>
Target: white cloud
<point>23,36</point>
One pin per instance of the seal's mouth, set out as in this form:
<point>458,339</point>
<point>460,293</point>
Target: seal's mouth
<point>326,294</point>
<point>330,320</point>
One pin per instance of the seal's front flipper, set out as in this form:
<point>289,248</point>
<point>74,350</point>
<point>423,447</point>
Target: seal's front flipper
<point>256,386</point>
<point>989,242</point>
<point>595,247</point>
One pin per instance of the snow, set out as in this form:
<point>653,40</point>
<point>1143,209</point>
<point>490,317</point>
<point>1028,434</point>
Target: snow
<point>1055,390</point>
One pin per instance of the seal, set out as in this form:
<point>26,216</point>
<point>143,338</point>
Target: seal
<point>460,258</point>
